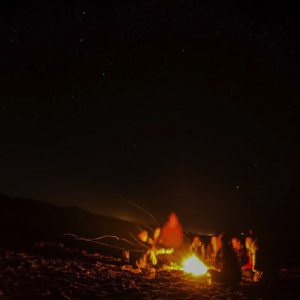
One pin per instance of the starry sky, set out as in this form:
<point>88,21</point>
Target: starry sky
<point>185,106</point>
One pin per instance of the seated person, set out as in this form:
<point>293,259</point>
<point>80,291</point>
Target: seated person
<point>211,251</point>
<point>218,257</point>
<point>155,242</point>
<point>172,233</point>
<point>197,248</point>
<point>229,266</point>
<point>247,268</point>
<point>153,251</point>
<point>240,251</point>
<point>219,239</point>
<point>258,262</point>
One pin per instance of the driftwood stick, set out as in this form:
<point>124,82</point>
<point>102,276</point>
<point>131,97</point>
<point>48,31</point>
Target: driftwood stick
<point>140,209</point>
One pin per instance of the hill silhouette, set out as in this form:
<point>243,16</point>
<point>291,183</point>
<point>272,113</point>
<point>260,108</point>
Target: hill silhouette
<point>24,222</point>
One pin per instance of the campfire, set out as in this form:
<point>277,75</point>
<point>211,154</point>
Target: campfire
<point>194,265</point>
<point>191,265</point>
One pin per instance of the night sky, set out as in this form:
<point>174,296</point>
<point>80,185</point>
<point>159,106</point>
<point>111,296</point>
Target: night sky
<point>185,106</point>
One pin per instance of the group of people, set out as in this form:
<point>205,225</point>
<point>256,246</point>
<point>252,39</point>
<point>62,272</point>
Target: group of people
<point>228,260</point>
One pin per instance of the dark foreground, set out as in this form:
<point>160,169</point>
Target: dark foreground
<point>52,273</point>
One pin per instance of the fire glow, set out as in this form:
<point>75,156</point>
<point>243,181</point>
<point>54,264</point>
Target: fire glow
<point>194,265</point>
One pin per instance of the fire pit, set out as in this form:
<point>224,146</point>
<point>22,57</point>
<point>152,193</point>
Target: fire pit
<point>194,266</point>
<point>190,266</point>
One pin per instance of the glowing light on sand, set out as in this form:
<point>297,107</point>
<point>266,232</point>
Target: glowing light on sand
<point>194,265</point>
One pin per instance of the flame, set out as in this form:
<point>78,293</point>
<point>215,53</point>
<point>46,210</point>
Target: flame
<point>194,265</point>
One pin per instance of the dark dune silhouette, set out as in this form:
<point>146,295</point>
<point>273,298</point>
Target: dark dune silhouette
<point>25,221</point>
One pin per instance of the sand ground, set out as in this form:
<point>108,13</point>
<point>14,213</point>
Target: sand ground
<point>72,274</point>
